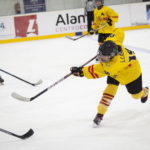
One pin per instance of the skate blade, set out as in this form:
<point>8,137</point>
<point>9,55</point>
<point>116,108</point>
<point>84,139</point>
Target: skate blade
<point>94,125</point>
<point>1,84</point>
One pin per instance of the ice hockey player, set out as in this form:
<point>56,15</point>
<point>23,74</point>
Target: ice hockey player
<point>121,66</point>
<point>104,15</point>
<point>90,5</point>
<point>117,36</point>
<point>1,81</point>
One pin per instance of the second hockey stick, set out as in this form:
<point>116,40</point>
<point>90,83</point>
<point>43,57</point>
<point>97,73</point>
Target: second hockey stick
<point>22,98</point>
<point>74,39</point>
<point>33,84</point>
<point>29,133</point>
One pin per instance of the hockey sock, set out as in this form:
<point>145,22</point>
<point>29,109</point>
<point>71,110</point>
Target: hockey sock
<point>107,97</point>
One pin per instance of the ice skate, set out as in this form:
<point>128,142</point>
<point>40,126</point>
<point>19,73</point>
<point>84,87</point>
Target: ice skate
<point>1,81</point>
<point>97,120</point>
<point>145,96</point>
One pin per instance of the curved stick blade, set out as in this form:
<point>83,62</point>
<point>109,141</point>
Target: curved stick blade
<point>27,135</point>
<point>37,83</point>
<point>70,38</point>
<point>19,97</point>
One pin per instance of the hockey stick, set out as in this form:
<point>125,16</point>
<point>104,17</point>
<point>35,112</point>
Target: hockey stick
<point>33,84</point>
<point>74,39</point>
<point>22,98</point>
<point>29,133</point>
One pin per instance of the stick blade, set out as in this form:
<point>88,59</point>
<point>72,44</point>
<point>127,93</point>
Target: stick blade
<point>27,135</point>
<point>37,83</point>
<point>70,38</point>
<point>19,97</point>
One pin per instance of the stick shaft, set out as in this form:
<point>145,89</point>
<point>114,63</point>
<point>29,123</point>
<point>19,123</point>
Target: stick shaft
<point>17,77</point>
<point>74,39</point>
<point>51,86</point>
<point>10,133</point>
<point>60,80</point>
<point>81,36</point>
<point>7,132</point>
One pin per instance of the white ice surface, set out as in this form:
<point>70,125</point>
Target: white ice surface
<point>62,117</point>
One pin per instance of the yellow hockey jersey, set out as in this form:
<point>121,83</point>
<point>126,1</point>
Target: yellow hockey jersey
<point>100,18</point>
<point>124,67</point>
<point>117,36</point>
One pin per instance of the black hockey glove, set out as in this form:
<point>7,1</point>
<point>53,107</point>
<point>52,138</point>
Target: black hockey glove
<point>91,32</point>
<point>77,71</point>
<point>109,21</point>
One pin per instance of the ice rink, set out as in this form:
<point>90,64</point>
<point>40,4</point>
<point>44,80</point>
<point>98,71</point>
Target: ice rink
<point>62,117</point>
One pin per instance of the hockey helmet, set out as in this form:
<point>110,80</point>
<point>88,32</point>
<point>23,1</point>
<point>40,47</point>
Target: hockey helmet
<point>107,51</point>
<point>102,1</point>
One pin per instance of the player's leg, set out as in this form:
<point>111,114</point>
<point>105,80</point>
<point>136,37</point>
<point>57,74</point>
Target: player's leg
<point>106,99</point>
<point>90,20</point>
<point>137,91</point>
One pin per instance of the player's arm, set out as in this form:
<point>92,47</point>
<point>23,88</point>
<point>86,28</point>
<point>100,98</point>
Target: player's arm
<point>112,17</point>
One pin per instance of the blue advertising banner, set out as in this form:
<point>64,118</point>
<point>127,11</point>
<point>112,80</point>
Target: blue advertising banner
<point>32,6</point>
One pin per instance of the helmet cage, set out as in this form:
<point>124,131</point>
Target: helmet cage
<point>106,58</point>
<point>107,51</point>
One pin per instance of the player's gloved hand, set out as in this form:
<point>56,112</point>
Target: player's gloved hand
<point>109,21</point>
<point>77,71</point>
<point>91,32</point>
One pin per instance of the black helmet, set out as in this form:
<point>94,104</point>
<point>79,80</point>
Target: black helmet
<point>108,48</point>
<point>102,1</point>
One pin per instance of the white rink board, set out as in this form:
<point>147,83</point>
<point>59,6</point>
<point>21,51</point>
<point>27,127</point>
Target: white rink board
<point>61,22</point>
<point>7,30</point>
<point>70,21</point>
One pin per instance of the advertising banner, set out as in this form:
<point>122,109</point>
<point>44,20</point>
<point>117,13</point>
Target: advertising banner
<point>7,30</point>
<point>59,22</point>
<point>31,6</point>
<point>26,26</point>
<point>67,21</point>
